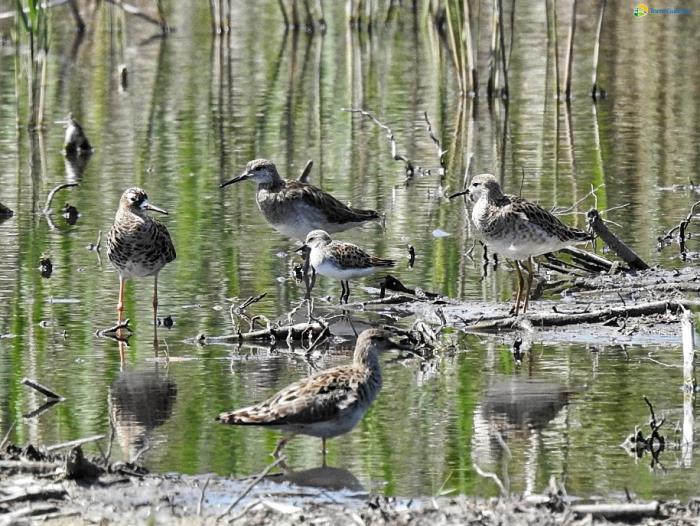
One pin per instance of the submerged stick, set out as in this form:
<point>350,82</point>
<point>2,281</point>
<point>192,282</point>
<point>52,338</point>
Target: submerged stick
<point>440,152</point>
<point>41,388</point>
<point>410,169</point>
<point>52,193</point>
<point>618,246</point>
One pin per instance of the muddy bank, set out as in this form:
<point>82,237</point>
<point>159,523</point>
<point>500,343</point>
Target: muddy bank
<point>39,487</point>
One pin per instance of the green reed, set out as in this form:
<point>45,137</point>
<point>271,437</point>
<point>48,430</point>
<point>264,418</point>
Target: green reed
<point>32,28</point>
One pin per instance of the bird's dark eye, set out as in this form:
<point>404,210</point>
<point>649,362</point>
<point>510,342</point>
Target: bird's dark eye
<point>475,184</point>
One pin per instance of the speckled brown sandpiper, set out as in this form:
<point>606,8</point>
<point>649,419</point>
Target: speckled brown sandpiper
<point>517,229</point>
<point>294,208</point>
<point>137,244</point>
<point>341,260</point>
<point>326,404</point>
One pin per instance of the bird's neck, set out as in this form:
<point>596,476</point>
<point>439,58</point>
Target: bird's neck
<point>275,184</point>
<point>369,359</point>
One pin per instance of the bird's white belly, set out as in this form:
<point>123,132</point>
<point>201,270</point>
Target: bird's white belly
<point>522,249</point>
<point>134,269</point>
<point>330,428</point>
<point>330,270</point>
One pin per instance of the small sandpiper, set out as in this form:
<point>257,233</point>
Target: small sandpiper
<point>517,229</point>
<point>294,208</point>
<point>326,404</point>
<point>340,260</point>
<point>137,244</point>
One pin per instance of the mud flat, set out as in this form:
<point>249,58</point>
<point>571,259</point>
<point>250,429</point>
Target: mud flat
<point>39,487</point>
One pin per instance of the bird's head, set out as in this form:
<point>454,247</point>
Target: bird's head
<point>136,200</point>
<point>261,171</point>
<point>484,185</point>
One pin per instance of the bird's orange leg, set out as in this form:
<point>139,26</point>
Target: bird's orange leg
<point>120,303</point>
<point>520,287</point>
<point>529,283</point>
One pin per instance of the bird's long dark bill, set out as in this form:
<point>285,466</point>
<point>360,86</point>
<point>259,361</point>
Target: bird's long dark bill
<point>236,179</point>
<point>301,249</point>
<point>154,208</point>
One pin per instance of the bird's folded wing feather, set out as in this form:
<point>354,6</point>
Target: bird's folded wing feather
<point>314,399</point>
<point>351,256</point>
<point>335,211</point>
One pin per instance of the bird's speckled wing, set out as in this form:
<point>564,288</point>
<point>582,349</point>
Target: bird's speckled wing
<point>347,255</point>
<point>334,210</point>
<point>147,241</point>
<point>314,399</point>
<point>519,209</point>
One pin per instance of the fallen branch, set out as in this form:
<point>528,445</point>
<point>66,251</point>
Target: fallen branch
<point>623,511</point>
<point>620,248</point>
<point>275,332</point>
<point>42,389</point>
<point>133,10</point>
<point>681,227</point>
<point>74,443</point>
<point>252,484</point>
<point>52,193</point>
<point>556,319</point>
<point>113,332</point>
<point>409,168</point>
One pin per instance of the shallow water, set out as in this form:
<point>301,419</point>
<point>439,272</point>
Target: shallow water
<point>198,108</point>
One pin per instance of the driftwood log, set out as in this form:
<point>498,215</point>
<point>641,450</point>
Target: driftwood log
<point>555,319</point>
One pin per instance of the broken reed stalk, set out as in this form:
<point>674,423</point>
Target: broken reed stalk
<point>688,336</point>
<point>453,47</point>
<point>504,65</point>
<point>283,10</point>
<point>493,54</point>
<point>596,51</point>
<point>41,388</point>
<point>555,42</point>
<point>689,385</point>
<point>470,50</point>
<point>570,52</point>
<point>595,222</point>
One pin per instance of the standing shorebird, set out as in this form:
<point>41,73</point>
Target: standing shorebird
<point>294,208</point>
<point>517,229</point>
<point>137,244</point>
<point>340,260</point>
<point>326,404</point>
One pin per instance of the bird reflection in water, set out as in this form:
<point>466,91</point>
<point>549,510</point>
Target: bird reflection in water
<point>328,478</point>
<point>140,401</point>
<point>516,410</point>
